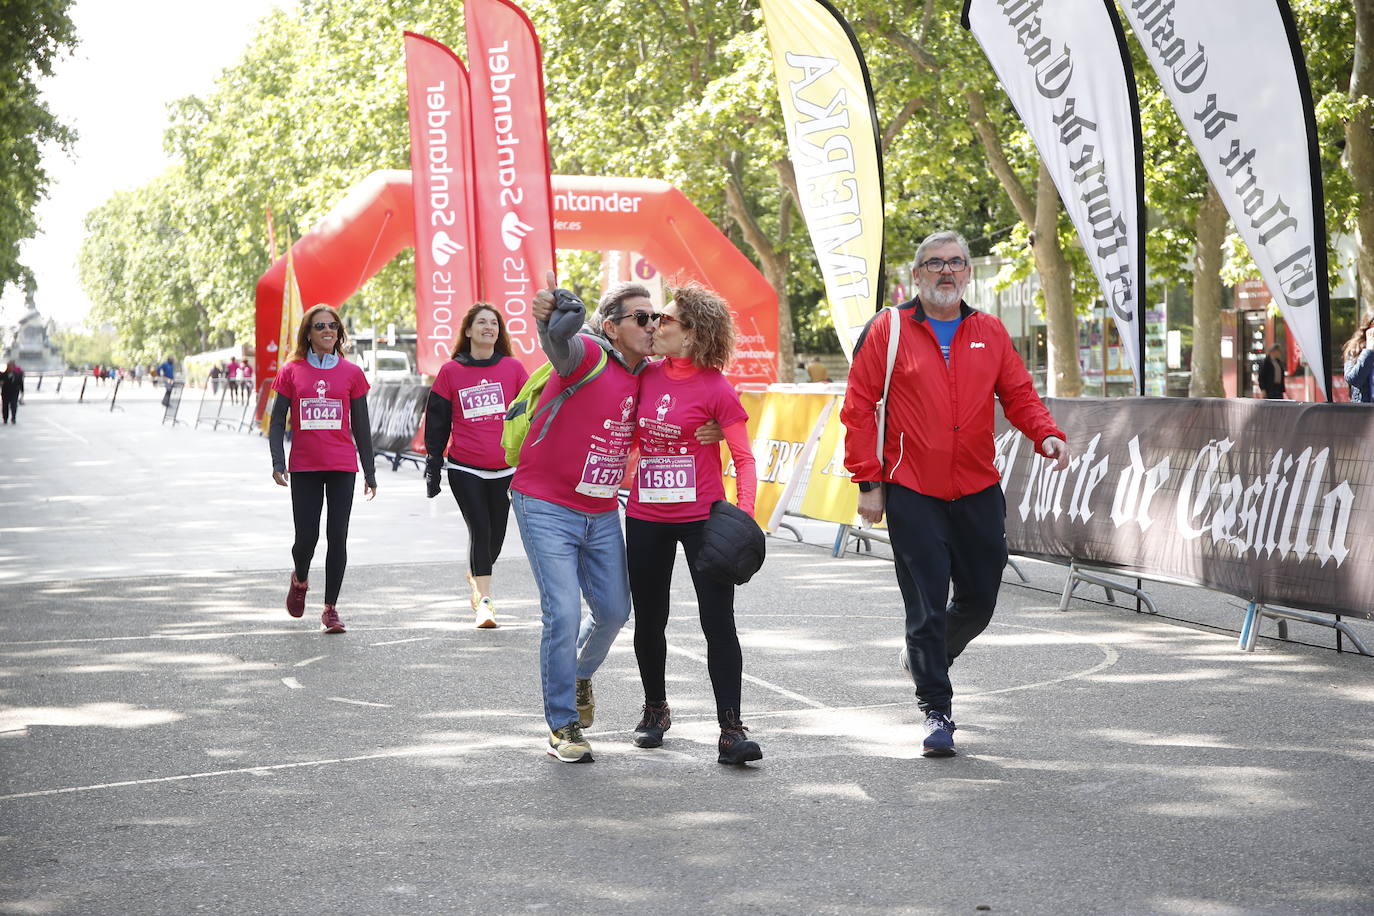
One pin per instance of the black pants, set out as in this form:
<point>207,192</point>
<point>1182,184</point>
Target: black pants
<point>10,403</point>
<point>310,491</point>
<point>485,505</point>
<point>937,543</point>
<point>650,550</point>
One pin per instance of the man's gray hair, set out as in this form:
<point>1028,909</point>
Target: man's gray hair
<point>941,238</point>
<point>612,304</point>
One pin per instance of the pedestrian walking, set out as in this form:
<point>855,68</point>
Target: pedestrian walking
<point>564,493</point>
<point>325,398</point>
<point>231,375</point>
<point>463,420</point>
<point>167,370</point>
<point>216,372</point>
<point>11,389</point>
<point>674,485</point>
<point>932,470</point>
<point>246,379</point>
<point>1271,374</point>
<point>1359,361</point>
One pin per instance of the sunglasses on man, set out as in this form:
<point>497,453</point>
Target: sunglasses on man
<point>641,318</point>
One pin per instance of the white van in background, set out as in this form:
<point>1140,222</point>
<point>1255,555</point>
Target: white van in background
<point>386,365</point>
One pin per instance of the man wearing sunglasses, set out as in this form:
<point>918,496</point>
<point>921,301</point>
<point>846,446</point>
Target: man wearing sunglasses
<point>565,491</point>
<point>935,478</point>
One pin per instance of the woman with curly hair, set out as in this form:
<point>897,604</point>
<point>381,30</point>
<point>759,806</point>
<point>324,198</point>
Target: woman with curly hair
<point>675,483</point>
<point>325,397</point>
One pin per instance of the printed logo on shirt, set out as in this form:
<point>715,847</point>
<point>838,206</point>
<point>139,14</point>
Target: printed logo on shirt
<point>664,406</point>
<point>627,409</point>
<point>977,345</point>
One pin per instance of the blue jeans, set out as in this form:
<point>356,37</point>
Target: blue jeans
<point>571,551</point>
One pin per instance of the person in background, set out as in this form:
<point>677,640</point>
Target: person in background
<point>231,374</point>
<point>216,371</point>
<point>816,371</point>
<point>463,420</point>
<point>167,370</point>
<point>246,380</point>
<point>1359,361</point>
<point>675,483</point>
<point>11,387</point>
<point>325,397</point>
<point>1271,374</point>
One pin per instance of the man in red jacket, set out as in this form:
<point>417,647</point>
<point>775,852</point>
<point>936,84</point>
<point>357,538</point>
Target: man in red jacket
<point>936,481</point>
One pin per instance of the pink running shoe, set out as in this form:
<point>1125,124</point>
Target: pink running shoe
<point>330,620</point>
<point>295,597</point>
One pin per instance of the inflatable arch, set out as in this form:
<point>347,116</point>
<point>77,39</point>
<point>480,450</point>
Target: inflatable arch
<point>375,222</point>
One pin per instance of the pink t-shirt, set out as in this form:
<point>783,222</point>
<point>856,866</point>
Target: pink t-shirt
<point>580,463</point>
<point>678,478</point>
<point>480,395</point>
<point>322,437</point>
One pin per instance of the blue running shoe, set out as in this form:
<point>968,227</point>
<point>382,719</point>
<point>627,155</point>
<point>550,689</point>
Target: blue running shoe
<point>939,740</point>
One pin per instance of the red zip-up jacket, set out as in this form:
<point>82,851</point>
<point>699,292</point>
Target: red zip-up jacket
<point>939,417</point>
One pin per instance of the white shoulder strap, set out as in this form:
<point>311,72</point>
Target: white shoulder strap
<point>893,336</point>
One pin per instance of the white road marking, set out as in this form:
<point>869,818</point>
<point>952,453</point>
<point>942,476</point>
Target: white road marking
<point>190,637</point>
<point>292,683</point>
<point>359,702</point>
<point>64,429</point>
<point>308,661</point>
<point>436,751</point>
<point>397,642</point>
<point>755,680</point>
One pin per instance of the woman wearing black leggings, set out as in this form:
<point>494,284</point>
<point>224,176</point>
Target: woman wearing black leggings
<point>675,483</point>
<point>325,398</point>
<point>463,421</point>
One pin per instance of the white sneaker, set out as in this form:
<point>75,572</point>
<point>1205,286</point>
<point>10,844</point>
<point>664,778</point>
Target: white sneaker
<point>486,615</point>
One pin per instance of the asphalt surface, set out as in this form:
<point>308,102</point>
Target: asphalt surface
<point>171,741</point>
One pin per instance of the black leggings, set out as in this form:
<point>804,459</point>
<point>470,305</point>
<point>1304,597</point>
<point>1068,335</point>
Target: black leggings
<point>11,406</point>
<point>485,505</point>
<point>650,550</point>
<point>310,490</point>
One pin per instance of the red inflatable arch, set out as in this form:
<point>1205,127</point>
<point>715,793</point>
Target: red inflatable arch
<point>375,222</point>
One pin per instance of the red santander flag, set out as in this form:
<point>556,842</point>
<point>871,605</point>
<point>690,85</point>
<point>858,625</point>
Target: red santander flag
<point>441,166</point>
<point>511,153</point>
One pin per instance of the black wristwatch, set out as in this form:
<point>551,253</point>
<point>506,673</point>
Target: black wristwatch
<point>867,486</point>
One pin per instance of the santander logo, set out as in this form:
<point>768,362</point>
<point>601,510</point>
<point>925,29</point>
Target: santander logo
<point>513,231</point>
<point>442,248</point>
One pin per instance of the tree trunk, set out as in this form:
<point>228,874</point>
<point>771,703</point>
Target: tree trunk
<point>1211,233</point>
<point>774,261</point>
<point>1064,379</point>
<point>1359,147</point>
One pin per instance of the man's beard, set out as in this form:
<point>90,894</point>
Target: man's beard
<point>941,298</point>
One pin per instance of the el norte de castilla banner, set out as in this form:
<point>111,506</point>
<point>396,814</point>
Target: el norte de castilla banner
<point>1066,69</point>
<point>832,133</point>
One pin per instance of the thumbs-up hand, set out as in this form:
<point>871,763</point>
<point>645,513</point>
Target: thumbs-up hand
<point>542,306</point>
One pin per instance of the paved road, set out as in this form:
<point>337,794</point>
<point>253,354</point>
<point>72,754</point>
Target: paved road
<point>171,741</point>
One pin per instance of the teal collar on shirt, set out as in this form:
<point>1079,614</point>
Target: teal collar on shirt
<point>328,361</point>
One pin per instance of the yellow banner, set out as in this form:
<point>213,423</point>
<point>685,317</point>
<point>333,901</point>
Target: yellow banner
<point>780,425</point>
<point>832,132</point>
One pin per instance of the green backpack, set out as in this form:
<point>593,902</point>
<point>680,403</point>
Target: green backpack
<point>522,413</point>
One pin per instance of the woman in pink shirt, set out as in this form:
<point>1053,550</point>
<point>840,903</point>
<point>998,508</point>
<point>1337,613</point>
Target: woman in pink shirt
<point>325,397</point>
<point>675,482</point>
<point>463,421</point>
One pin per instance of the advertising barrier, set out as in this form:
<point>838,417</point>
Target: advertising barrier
<point>1267,501</point>
<point>1270,501</point>
<point>396,410</point>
